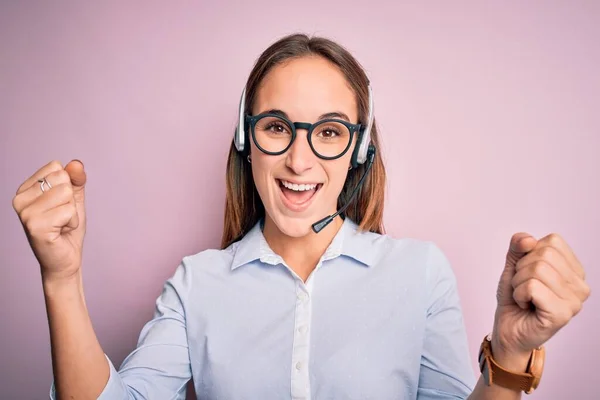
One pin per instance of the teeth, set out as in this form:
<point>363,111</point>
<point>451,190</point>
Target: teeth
<point>299,188</point>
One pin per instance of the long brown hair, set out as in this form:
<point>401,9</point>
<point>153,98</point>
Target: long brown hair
<point>243,206</point>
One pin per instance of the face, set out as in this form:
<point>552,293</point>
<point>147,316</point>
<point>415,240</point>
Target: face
<point>297,187</point>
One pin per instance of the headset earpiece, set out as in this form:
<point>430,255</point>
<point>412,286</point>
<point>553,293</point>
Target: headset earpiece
<point>240,136</point>
<point>362,148</point>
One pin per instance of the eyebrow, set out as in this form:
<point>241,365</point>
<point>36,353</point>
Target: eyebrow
<point>333,114</point>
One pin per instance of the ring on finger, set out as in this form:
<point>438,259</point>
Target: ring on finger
<point>43,182</point>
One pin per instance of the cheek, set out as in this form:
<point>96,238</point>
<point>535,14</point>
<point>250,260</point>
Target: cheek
<point>259,172</point>
<point>337,176</point>
<point>262,167</point>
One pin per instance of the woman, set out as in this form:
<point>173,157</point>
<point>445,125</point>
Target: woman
<point>301,303</point>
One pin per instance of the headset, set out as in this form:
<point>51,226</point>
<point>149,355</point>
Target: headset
<point>363,152</point>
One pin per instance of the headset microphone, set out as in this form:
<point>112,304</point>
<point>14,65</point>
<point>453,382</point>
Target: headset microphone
<point>319,225</point>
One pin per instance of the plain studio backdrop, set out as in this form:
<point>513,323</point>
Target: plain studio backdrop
<point>489,121</point>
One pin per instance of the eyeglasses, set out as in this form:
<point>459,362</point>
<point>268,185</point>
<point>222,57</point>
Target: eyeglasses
<point>328,138</point>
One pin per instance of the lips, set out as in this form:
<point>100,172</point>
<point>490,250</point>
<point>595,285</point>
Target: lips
<point>299,199</point>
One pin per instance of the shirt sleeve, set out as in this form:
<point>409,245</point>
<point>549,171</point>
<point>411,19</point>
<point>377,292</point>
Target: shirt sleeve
<point>159,367</point>
<point>446,371</point>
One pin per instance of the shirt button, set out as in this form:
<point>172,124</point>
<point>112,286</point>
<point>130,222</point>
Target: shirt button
<point>302,329</point>
<point>302,296</point>
<point>298,365</point>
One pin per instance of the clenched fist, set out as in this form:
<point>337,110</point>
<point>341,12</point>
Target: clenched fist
<point>54,218</point>
<point>541,289</point>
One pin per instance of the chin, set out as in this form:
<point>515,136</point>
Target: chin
<point>296,227</point>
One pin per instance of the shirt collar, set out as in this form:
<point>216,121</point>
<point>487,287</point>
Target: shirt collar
<point>348,241</point>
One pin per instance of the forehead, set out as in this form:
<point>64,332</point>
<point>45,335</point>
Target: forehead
<point>306,88</point>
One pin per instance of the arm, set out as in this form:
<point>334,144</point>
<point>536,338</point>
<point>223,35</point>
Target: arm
<point>446,371</point>
<point>159,367</point>
<point>541,288</point>
<point>514,362</point>
<point>80,368</point>
<point>51,207</point>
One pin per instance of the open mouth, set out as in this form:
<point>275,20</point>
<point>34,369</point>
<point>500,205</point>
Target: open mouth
<point>298,196</point>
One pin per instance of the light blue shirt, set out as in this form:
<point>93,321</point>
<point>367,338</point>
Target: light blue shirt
<point>379,318</point>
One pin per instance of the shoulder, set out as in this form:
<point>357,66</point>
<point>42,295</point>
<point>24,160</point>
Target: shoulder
<point>203,270</point>
<point>211,255</point>
<point>212,259</point>
<point>385,247</point>
<point>424,264</point>
<point>420,258</point>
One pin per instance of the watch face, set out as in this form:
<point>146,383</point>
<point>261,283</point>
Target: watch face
<point>537,364</point>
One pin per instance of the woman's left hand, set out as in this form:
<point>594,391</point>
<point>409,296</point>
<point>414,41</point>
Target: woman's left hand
<point>541,289</point>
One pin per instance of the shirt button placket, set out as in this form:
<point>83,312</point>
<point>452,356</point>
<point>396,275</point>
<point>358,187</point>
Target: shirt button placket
<point>300,356</point>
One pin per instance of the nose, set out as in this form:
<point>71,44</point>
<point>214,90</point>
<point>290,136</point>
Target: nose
<point>300,157</point>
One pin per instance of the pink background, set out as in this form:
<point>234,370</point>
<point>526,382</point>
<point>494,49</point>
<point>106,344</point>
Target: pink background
<point>490,124</point>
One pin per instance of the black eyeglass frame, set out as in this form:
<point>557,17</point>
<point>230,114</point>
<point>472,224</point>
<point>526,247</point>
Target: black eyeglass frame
<point>251,121</point>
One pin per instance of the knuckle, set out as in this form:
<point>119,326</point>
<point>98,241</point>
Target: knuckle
<point>532,287</point>
<point>546,252</point>
<point>540,268</point>
<point>587,291</point>
<point>55,165</point>
<point>520,294</point>
<point>16,203</point>
<point>25,215</point>
<point>554,239</point>
<point>33,226</point>
<point>61,176</point>
<point>70,210</point>
<point>23,187</point>
<point>66,191</point>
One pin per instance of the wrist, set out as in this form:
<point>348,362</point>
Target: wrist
<point>515,360</point>
<point>510,367</point>
<point>64,285</point>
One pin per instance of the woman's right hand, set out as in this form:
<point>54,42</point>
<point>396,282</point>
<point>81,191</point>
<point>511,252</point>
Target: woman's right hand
<point>54,220</point>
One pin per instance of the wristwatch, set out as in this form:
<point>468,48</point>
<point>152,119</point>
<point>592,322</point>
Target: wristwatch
<point>494,374</point>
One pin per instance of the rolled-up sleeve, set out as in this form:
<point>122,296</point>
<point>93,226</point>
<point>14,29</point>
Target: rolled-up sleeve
<point>159,367</point>
<point>446,371</point>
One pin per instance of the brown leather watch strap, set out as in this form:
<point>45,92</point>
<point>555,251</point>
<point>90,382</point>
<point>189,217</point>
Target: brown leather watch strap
<point>510,380</point>
<point>494,374</point>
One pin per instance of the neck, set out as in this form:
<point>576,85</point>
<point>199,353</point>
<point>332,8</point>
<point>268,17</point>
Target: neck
<point>301,254</point>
